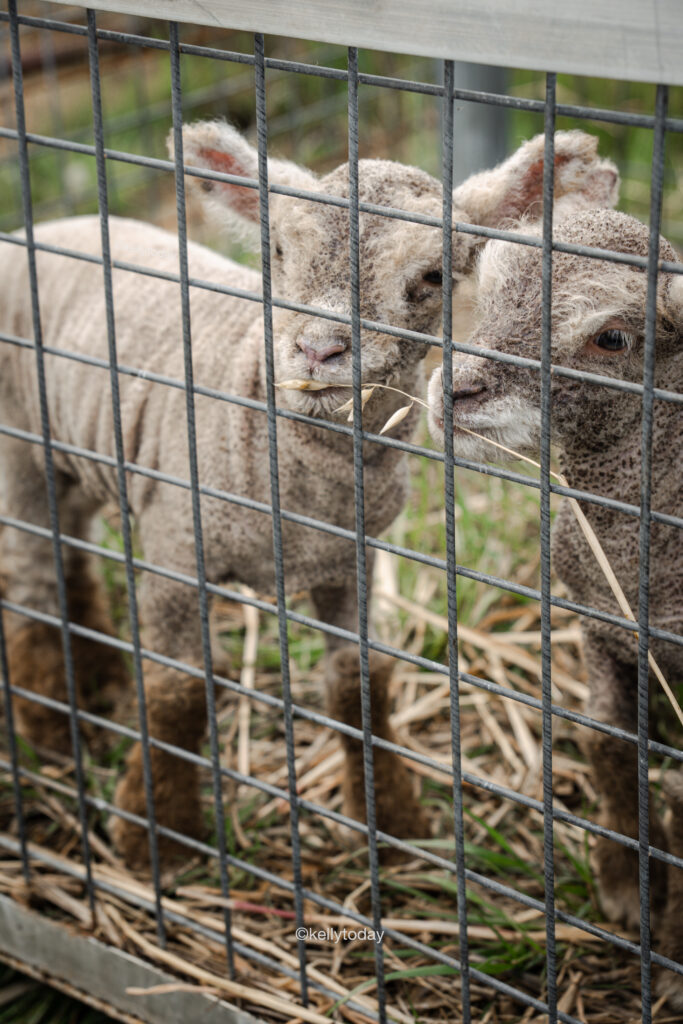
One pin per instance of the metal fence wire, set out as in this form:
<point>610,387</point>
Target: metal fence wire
<point>302,977</point>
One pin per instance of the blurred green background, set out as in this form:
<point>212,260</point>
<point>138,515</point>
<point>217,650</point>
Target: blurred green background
<point>307,115</point>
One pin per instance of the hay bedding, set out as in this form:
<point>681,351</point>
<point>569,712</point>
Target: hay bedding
<point>500,743</point>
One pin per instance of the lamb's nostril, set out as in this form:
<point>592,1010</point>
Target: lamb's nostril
<point>468,392</point>
<point>331,350</point>
<point>317,356</point>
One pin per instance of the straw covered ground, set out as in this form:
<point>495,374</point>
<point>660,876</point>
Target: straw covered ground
<point>497,532</point>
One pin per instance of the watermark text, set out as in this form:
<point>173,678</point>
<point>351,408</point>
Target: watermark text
<point>339,935</point>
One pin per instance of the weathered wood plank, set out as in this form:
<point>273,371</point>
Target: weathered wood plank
<point>636,40</point>
<point>56,952</point>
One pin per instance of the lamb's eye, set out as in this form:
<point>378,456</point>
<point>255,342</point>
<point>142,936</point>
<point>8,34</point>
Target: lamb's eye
<point>433,277</point>
<point>610,342</point>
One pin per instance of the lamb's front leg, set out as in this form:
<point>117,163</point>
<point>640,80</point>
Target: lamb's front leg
<point>176,714</point>
<point>613,700</point>
<point>398,811</point>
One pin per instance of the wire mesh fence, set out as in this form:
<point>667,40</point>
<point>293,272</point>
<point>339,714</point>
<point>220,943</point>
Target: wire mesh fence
<point>486,907</point>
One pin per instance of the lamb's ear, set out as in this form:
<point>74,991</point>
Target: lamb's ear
<point>216,146</point>
<point>514,189</point>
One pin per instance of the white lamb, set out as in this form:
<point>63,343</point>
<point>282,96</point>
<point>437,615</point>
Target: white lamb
<point>401,285</point>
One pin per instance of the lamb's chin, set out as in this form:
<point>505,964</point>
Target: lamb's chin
<point>507,444</point>
<point>484,443</point>
<point>476,450</point>
<point>321,404</point>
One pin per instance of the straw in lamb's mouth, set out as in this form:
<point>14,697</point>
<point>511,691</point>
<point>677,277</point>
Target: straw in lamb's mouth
<point>307,385</point>
<point>315,388</point>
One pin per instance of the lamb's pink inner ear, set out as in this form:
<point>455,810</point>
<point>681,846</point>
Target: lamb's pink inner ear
<point>243,200</point>
<point>529,192</point>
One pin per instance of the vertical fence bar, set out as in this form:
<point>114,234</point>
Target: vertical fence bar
<point>278,555</point>
<point>177,107</point>
<point>546,669</point>
<point>661,105</point>
<point>103,205</point>
<point>53,509</point>
<point>359,493</point>
<point>447,143</point>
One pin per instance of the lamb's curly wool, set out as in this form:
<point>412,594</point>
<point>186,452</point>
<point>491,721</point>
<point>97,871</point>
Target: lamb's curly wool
<point>598,326</point>
<point>400,267</point>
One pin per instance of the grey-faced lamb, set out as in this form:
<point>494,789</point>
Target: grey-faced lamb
<point>400,285</point>
<point>598,326</point>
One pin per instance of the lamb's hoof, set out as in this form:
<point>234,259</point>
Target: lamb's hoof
<point>130,841</point>
<point>176,806</point>
<point>617,871</point>
<point>669,939</point>
<point>670,986</point>
<point>398,812</point>
<point>620,904</point>
<point>618,885</point>
<point>36,663</point>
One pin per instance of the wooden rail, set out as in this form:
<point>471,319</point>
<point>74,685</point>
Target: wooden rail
<point>634,40</point>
